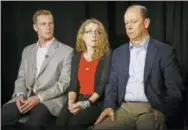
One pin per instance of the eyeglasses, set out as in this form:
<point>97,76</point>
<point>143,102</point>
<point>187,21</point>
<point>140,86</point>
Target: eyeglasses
<point>90,32</point>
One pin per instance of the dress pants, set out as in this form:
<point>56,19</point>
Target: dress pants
<point>39,116</point>
<point>133,116</point>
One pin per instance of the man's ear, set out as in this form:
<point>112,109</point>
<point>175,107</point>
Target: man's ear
<point>147,22</point>
<point>35,27</point>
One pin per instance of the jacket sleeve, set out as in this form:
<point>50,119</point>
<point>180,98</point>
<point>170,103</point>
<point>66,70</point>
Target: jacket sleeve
<point>173,81</point>
<point>20,86</point>
<point>111,90</point>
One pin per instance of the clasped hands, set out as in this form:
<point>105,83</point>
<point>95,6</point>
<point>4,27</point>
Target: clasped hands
<point>75,107</point>
<point>26,105</point>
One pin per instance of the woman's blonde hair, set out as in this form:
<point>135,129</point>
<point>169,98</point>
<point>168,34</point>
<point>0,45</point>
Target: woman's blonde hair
<point>102,44</point>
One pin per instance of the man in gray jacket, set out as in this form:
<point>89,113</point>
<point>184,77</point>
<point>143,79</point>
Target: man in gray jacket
<point>43,78</point>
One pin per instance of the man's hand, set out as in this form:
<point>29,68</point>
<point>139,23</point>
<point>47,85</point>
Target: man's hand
<point>105,113</point>
<point>20,102</point>
<point>30,103</point>
<point>158,121</point>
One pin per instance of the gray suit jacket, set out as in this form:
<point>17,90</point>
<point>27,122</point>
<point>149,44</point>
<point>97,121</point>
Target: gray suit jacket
<point>53,79</point>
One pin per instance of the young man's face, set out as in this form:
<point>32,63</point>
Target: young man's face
<point>44,27</point>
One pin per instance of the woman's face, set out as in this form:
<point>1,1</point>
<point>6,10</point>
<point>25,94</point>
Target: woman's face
<point>91,34</point>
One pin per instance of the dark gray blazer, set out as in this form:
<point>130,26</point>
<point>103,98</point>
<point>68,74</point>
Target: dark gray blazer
<point>162,79</point>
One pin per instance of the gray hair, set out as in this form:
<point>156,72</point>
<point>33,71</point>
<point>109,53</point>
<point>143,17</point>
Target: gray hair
<point>143,10</point>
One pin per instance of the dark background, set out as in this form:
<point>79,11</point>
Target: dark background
<point>169,23</point>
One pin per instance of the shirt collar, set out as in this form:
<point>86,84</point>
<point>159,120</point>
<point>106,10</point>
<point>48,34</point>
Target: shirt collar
<point>46,44</point>
<point>143,44</point>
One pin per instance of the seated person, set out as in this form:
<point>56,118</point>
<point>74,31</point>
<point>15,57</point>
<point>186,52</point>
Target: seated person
<point>43,77</point>
<point>89,76</point>
<point>145,83</point>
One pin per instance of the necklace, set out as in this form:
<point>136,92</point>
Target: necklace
<point>87,59</point>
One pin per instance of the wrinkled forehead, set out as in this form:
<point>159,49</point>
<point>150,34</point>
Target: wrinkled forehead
<point>133,13</point>
<point>91,26</point>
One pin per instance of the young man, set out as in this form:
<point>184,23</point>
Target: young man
<point>43,77</point>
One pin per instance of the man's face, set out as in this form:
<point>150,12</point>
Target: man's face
<point>136,25</point>
<point>44,27</point>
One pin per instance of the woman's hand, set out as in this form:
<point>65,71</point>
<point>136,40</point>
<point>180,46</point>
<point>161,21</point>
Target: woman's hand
<point>74,108</point>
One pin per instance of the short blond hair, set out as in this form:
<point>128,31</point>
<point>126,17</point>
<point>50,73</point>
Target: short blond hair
<point>41,12</point>
<point>102,42</point>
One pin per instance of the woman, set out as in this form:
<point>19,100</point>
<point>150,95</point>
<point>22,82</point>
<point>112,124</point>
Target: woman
<point>89,76</point>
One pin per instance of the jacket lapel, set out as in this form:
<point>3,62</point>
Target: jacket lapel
<point>49,55</point>
<point>150,58</point>
<point>74,69</point>
<point>32,64</point>
<point>99,69</point>
<point>125,61</point>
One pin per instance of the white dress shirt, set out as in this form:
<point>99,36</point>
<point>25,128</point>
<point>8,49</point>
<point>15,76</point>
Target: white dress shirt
<point>135,84</point>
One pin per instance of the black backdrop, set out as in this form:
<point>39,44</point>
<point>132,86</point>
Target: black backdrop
<point>169,23</point>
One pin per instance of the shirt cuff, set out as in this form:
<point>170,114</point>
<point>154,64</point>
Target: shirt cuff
<point>40,98</point>
<point>21,94</point>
